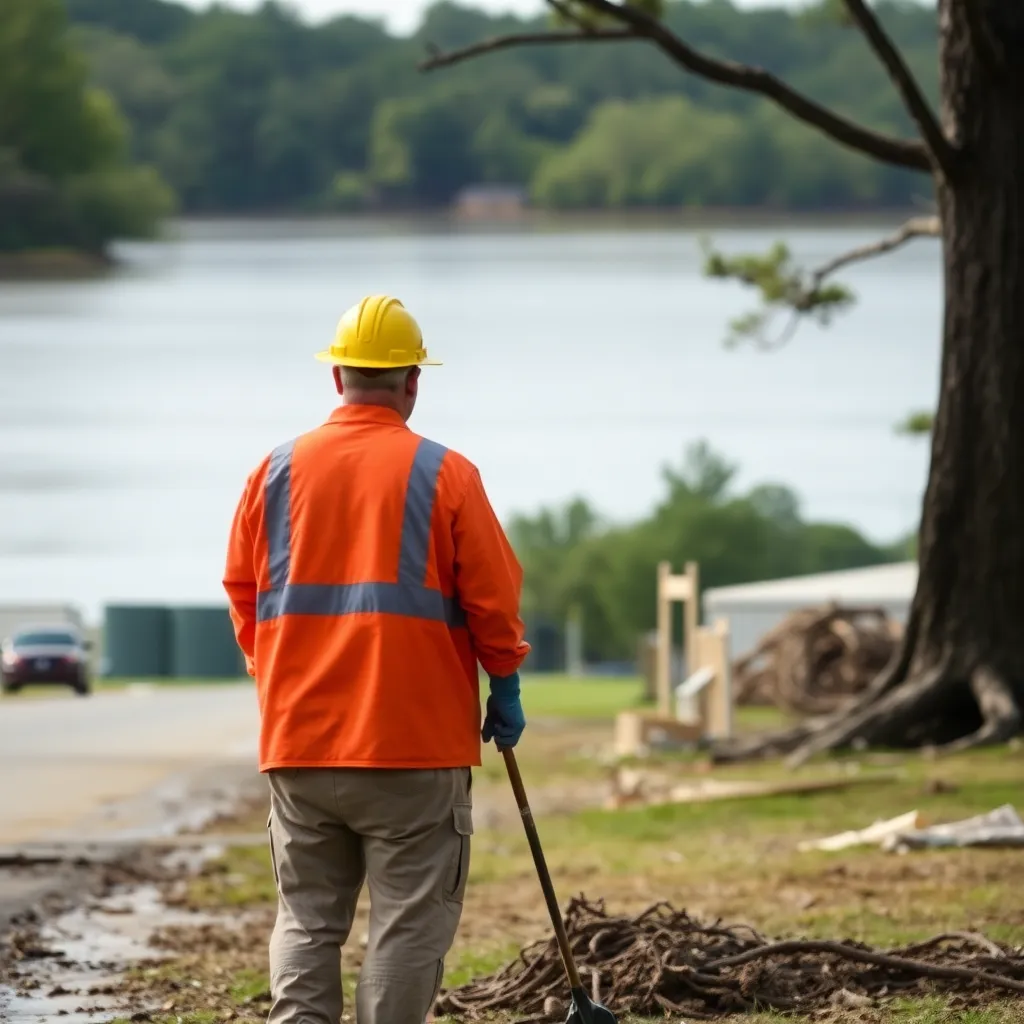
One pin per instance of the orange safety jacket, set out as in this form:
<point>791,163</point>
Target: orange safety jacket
<point>367,574</point>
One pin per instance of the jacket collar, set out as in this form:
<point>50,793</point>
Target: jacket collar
<point>366,414</point>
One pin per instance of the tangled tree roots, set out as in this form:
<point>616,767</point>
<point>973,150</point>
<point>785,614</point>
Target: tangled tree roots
<point>817,659</point>
<point>663,961</point>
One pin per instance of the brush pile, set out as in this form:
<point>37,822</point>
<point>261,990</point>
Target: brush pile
<point>817,659</point>
<point>664,962</point>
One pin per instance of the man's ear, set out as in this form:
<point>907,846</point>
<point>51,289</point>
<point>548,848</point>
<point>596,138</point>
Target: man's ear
<point>337,380</point>
<point>412,381</point>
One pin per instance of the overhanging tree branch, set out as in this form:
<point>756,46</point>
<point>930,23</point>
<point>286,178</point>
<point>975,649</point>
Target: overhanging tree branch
<point>942,150</point>
<point>916,227</point>
<point>437,59</point>
<point>801,293</point>
<point>904,153</point>
<point>639,25</point>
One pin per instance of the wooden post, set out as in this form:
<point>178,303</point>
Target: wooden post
<point>674,588</point>
<point>718,709</point>
<point>692,616</point>
<point>663,653</point>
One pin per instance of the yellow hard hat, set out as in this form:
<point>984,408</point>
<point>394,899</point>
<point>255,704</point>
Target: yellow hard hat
<point>377,333</point>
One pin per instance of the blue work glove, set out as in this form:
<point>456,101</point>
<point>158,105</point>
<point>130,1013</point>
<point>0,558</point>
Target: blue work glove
<point>504,720</point>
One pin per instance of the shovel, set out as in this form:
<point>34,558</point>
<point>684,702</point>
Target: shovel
<point>582,1010</point>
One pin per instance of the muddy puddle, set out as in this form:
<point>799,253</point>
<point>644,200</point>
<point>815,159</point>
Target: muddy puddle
<point>71,965</point>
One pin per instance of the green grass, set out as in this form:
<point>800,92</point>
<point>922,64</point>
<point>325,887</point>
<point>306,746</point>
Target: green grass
<point>936,1011</point>
<point>242,877</point>
<point>601,698</point>
<point>737,859</point>
<point>467,964</point>
<point>745,850</point>
<point>249,985</point>
<point>586,697</point>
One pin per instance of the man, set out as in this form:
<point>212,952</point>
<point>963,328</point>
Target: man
<point>367,574</point>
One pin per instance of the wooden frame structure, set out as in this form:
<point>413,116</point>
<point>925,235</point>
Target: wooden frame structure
<point>686,588</point>
<point>705,711</point>
<point>716,704</point>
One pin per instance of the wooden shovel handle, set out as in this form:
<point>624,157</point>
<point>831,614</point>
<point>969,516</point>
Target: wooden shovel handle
<point>512,767</point>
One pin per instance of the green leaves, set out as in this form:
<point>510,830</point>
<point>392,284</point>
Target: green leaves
<point>916,424</point>
<point>580,14</point>
<point>783,287</point>
<point>573,559</point>
<point>64,177</point>
<point>828,12</point>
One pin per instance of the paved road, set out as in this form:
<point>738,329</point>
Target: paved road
<point>121,763</point>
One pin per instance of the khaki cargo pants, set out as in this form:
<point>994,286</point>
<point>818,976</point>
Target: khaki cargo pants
<point>407,833</point>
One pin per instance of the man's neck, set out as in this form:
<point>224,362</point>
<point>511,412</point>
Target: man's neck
<point>369,400</point>
<point>380,401</point>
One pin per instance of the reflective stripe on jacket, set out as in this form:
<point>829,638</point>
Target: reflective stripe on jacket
<point>367,574</point>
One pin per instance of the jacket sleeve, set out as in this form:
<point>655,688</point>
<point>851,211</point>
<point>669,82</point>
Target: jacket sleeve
<point>240,581</point>
<point>489,581</point>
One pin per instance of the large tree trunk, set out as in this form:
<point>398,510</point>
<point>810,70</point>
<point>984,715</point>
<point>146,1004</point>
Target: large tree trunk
<point>959,677</point>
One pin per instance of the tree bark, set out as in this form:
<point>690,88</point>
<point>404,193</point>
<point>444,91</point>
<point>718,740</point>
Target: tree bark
<point>971,590</point>
<point>958,679</point>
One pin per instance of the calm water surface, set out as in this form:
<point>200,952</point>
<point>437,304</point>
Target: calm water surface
<point>576,363</point>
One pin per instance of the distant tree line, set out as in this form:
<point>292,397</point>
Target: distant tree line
<point>66,177</point>
<point>572,558</point>
<point>258,111</point>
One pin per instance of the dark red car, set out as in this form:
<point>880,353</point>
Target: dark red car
<point>45,655</point>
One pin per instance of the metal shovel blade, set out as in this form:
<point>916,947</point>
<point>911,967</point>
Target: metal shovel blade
<point>585,1011</point>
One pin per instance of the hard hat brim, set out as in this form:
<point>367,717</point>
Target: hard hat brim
<point>371,364</point>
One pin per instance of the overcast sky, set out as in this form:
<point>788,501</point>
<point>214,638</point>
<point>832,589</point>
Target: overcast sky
<point>404,15</point>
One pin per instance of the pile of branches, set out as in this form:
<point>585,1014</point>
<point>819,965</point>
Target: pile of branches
<point>817,659</point>
<point>664,961</point>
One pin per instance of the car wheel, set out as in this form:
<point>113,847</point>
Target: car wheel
<point>11,688</point>
<point>82,688</point>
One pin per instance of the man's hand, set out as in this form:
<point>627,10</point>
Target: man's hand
<point>504,720</point>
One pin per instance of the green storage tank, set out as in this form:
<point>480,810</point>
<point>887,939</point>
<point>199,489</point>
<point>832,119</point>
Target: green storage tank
<point>203,644</point>
<point>136,642</point>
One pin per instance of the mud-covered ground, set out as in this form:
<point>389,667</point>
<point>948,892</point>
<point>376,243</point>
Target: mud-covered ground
<point>203,957</point>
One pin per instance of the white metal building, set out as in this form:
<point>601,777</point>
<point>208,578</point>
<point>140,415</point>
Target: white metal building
<point>754,608</point>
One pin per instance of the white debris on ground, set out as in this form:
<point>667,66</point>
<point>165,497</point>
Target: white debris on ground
<point>873,835</point>
<point>1002,827</point>
<point>647,787</point>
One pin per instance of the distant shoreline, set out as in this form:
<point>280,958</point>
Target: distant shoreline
<point>52,264</point>
<point>68,264</point>
<point>755,217</point>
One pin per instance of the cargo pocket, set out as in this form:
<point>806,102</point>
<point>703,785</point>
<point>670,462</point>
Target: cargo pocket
<point>273,855</point>
<point>462,818</point>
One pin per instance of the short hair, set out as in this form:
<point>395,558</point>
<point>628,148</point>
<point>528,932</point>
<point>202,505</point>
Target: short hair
<point>354,378</point>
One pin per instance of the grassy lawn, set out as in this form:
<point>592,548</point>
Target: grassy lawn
<point>558,696</point>
<point>736,860</point>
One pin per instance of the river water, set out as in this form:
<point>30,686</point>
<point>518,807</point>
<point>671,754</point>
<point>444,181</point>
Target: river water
<point>577,362</point>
